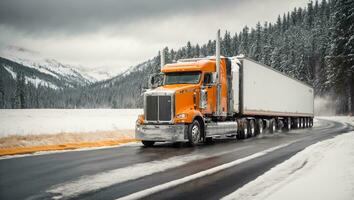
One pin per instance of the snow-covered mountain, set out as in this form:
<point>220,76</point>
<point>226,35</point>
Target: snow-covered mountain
<point>137,69</point>
<point>67,74</point>
<point>98,73</point>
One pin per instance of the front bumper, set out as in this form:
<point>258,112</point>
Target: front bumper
<point>161,133</point>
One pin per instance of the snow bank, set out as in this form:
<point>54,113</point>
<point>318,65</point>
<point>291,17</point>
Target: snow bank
<point>53,121</point>
<point>322,171</point>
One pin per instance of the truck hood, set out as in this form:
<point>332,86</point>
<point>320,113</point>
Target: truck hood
<point>176,88</point>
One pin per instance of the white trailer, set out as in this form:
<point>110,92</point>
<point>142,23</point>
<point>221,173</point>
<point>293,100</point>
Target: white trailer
<point>259,90</point>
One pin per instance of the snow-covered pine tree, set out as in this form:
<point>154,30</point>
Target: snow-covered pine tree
<point>2,94</point>
<point>340,70</point>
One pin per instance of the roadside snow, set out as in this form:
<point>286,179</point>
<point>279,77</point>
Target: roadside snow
<point>54,121</point>
<point>322,171</point>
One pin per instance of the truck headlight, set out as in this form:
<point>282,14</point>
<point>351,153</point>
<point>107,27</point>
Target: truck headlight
<point>181,116</point>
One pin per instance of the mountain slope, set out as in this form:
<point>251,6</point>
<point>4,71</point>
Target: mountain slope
<point>9,71</point>
<point>30,59</point>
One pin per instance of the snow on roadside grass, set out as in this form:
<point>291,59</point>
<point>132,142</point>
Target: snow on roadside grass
<point>322,171</point>
<point>16,141</point>
<point>39,127</point>
<point>54,121</point>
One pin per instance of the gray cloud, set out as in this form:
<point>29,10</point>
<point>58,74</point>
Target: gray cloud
<point>76,16</point>
<point>116,34</point>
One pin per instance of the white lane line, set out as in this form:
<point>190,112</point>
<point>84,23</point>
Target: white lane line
<point>174,183</point>
<point>105,179</point>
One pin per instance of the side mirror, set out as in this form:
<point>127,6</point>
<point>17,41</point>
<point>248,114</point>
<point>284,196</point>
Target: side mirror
<point>155,80</point>
<point>203,100</point>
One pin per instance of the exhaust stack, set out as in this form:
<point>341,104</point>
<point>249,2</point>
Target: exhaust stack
<point>218,86</point>
<point>162,58</point>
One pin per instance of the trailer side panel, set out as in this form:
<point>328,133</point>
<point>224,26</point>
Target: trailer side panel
<point>269,92</point>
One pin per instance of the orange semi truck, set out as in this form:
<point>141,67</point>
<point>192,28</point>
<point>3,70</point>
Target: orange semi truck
<point>201,99</point>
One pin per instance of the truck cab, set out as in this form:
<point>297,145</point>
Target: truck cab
<point>176,111</point>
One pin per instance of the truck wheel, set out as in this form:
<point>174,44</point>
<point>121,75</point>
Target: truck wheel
<point>288,124</point>
<point>272,126</point>
<point>310,122</point>
<point>194,133</point>
<point>243,132</point>
<point>297,123</point>
<point>259,126</point>
<point>280,124</point>
<point>148,143</point>
<point>251,128</point>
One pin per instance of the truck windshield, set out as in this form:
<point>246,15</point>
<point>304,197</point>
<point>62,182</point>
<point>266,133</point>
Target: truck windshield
<point>182,78</point>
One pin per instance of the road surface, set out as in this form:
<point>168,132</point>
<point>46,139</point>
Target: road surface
<point>162,172</point>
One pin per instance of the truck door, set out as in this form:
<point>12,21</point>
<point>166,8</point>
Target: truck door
<point>209,88</point>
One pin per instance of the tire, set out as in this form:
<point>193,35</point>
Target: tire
<point>148,143</point>
<point>272,126</point>
<point>194,133</point>
<point>251,128</point>
<point>300,122</point>
<point>311,122</point>
<point>280,124</point>
<point>259,127</point>
<point>297,123</point>
<point>288,124</point>
<point>243,132</point>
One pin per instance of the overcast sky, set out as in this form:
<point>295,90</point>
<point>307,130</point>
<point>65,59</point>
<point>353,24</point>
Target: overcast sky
<point>115,34</point>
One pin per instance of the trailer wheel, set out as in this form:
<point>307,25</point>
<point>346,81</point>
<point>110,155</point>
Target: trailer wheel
<point>302,122</point>
<point>311,122</point>
<point>259,126</point>
<point>243,132</point>
<point>148,143</point>
<point>288,124</point>
<point>297,123</point>
<point>280,124</point>
<point>194,133</point>
<point>251,128</point>
<point>272,126</point>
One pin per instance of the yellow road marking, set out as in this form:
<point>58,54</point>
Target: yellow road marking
<point>68,146</point>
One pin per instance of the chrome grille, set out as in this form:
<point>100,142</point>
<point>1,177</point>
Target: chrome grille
<point>151,108</point>
<point>158,108</point>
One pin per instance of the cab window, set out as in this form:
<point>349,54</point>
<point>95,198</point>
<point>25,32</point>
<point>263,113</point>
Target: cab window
<point>208,79</point>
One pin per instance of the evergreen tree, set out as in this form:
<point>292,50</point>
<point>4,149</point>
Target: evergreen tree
<point>2,94</point>
<point>341,58</point>
<point>257,43</point>
<point>189,50</point>
<point>244,41</point>
<point>20,96</point>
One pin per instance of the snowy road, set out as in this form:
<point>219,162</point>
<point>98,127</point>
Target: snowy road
<point>163,172</point>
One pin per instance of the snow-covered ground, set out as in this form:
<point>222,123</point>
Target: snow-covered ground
<point>33,127</point>
<point>52,121</point>
<point>323,171</point>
